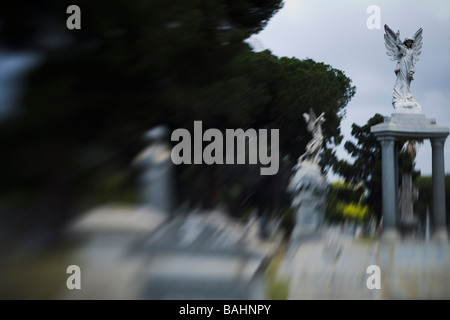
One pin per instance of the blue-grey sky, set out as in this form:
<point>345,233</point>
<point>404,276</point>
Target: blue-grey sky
<point>335,32</point>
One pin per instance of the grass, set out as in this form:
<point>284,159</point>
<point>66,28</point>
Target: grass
<point>366,239</point>
<point>42,277</point>
<point>277,288</point>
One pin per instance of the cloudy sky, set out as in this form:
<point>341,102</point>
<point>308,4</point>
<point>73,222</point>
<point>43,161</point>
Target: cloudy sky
<point>335,32</point>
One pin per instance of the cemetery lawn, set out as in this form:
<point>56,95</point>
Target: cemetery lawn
<point>371,240</point>
<point>277,288</point>
<point>40,277</point>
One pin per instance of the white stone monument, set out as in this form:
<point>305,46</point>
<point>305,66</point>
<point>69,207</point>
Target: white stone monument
<point>405,53</point>
<point>408,122</point>
<point>308,186</point>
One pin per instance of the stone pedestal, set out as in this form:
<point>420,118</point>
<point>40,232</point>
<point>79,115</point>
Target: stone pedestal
<point>401,127</point>
<point>308,188</point>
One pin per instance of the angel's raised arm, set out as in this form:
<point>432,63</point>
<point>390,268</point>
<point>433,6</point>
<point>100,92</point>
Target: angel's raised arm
<point>322,116</point>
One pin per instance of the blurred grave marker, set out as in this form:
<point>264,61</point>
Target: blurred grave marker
<point>156,178</point>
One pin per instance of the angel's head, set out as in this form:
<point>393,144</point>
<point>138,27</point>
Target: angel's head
<point>408,42</point>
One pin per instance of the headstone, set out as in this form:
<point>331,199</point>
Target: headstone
<point>157,176</point>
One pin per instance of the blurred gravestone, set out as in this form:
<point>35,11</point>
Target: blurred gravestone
<point>309,188</point>
<point>156,170</point>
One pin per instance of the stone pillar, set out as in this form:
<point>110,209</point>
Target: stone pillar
<point>397,200</point>
<point>389,190</point>
<point>440,227</point>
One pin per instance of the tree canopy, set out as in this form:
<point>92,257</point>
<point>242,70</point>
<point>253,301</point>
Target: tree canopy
<point>137,64</point>
<point>366,167</point>
<point>346,202</point>
<point>365,170</point>
<point>424,203</point>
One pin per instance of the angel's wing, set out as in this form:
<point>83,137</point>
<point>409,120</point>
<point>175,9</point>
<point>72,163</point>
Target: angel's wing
<point>312,115</point>
<point>417,44</point>
<point>392,40</point>
<point>306,116</point>
<point>311,119</point>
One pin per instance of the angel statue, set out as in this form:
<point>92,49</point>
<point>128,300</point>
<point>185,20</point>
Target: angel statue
<point>313,147</point>
<point>406,53</point>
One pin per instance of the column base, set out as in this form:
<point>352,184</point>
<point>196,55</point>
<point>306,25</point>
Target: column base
<point>390,235</point>
<point>440,235</point>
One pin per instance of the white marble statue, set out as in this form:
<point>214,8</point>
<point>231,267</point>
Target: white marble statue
<point>308,185</point>
<point>405,53</point>
<point>314,126</point>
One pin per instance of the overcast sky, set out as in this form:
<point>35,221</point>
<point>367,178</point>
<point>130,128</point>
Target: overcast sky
<point>335,32</point>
